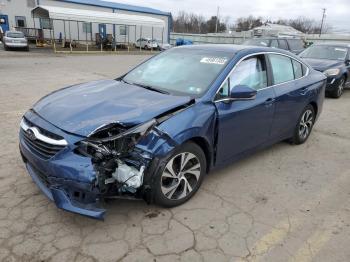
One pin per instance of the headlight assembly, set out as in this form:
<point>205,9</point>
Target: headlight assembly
<point>114,145</point>
<point>332,72</point>
<point>140,130</point>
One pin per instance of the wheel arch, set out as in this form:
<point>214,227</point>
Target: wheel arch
<point>314,105</point>
<point>204,145</point>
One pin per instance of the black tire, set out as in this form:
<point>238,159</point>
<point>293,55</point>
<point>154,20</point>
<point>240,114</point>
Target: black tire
<point>26,49</point>
<point>336,93</point>
<point>299,136</point>
<point>162,179</point>
<point>6,48</point>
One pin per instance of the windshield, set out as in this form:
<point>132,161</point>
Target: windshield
<point>257,42</point>
<point>15,34</point>
<point>325,52</point>
<point>180,71</point>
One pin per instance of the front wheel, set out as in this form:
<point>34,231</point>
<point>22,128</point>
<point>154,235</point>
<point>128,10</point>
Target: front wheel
<point>336,93</point>
<point>181,176</point>
<point>304,126</point>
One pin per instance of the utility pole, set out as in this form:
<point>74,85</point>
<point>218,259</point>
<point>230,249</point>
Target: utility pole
<point>217,20</point>
<point>323,18</point>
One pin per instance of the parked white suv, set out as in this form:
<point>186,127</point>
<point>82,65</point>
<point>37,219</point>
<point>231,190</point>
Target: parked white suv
<point>15,40</point>
<point>147,43</point>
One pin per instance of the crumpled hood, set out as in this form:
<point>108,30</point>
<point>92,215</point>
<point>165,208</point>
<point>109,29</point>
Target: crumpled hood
<point>322,64</point>
<point>81,109</point>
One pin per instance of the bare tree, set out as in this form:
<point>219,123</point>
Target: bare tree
<point>303,24</point>
<point>192,23</point>
<point>248,23</point>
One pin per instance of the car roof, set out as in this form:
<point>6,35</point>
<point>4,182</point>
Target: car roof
<point>215,47</point>
<point>14,32</point>
<point>275,37</point>
<point>234,48</point>
<point>333,44</point>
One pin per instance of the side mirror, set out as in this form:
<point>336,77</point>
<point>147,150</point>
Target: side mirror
<point>347,62</point>
<point>242,92</point>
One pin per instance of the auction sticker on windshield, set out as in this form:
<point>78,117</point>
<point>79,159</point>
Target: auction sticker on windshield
<point>214,60</point>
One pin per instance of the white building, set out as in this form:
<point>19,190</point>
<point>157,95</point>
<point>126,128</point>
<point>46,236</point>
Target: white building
<point>18,13</point>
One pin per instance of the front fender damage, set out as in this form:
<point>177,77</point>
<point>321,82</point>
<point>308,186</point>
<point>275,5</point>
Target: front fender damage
<point>125,158</point>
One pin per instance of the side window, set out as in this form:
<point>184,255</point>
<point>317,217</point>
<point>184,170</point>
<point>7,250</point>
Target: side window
<point>250,72</point>
<point>298,69</point>
<point>274,43</point>
<point>296,44</point>
<point>283,44</point>
<point>282,68</point>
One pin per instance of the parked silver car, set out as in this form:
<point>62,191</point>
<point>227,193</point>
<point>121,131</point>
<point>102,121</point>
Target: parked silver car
<point>15,40</point>
<point>147,43</point>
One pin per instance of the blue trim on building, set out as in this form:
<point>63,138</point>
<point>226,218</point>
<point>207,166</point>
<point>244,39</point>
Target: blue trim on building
<point>119,6</point>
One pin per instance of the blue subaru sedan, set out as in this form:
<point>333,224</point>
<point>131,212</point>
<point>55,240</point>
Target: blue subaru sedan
<point>155,132</point>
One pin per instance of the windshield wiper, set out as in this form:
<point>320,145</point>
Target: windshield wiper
<point>147,87</point>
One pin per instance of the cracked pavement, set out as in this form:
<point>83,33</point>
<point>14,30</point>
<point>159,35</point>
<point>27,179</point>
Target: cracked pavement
<point>285,203</point>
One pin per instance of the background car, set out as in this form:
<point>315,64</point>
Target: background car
<point>147,43</point>
<point>334,61</point>
<point>15,40</point>
<point>155,132</point>
<point>163,47</point>
<point>294,45</point>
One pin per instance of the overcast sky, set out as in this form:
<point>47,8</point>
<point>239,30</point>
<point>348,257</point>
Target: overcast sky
<point>338,11</point>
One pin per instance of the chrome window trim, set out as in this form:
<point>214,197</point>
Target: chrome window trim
<point>255,54</point>
<point>41,137</point>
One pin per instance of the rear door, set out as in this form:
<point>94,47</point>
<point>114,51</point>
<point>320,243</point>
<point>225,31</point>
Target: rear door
<point>291,93</point>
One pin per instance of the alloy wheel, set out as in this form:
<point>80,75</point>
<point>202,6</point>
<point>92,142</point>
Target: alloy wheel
<point>341,87</point>
<point>305,124</point>
<point>180,176</point>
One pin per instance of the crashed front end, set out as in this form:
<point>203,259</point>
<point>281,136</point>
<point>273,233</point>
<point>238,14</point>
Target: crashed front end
<point>77,173</point>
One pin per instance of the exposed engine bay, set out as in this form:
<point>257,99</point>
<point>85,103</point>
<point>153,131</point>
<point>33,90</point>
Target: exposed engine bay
<point>119,164</point>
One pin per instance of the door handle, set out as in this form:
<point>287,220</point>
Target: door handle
<point>269,101</point>
<point>304,90</point>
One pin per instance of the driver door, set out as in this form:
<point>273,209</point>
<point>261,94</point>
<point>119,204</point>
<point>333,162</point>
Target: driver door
<point>246,124</point>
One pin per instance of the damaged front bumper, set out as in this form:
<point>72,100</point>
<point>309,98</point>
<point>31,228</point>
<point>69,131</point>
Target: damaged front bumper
<point>55,178</point>
<point>79,182</point>
<point>72,181</point>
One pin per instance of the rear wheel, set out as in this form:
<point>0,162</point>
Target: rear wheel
<point>336,93</point>
<point>181,176</point>
<point>304,126</point>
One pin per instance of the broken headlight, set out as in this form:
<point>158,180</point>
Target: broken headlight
<point>114,145</point>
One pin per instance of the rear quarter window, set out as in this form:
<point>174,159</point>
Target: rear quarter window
<point>298,69</point>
